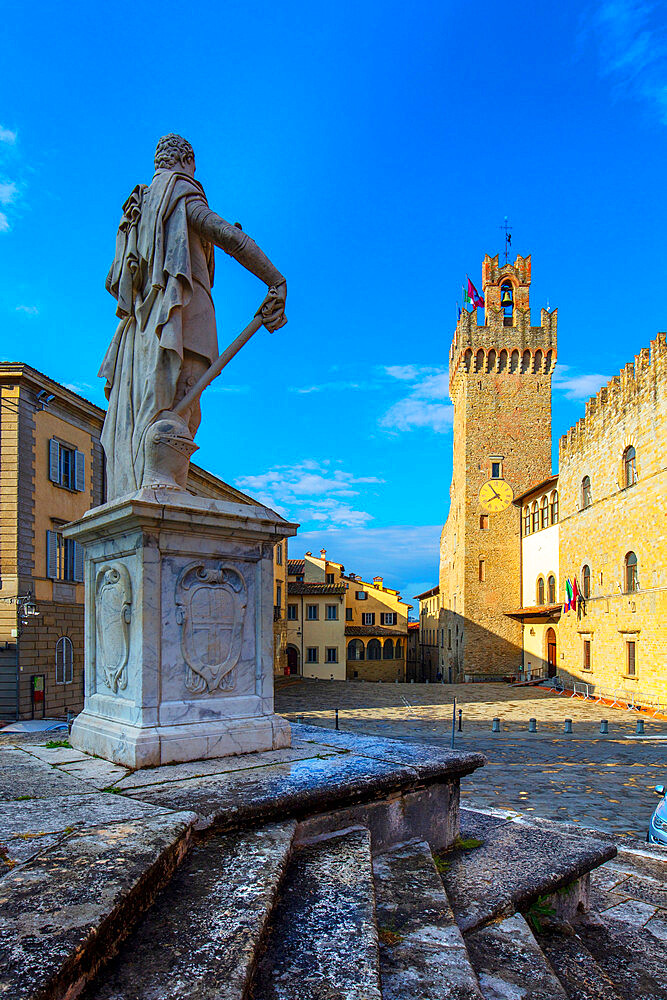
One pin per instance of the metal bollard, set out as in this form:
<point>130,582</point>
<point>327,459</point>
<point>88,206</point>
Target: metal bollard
<point>336,718</point>
<point>299,719</point>
<point>568,726</point>
<point>460,720</point>
<point>495,726</point>
<point>532,725</point>
<point>640,727</point>
<point>604,727</point>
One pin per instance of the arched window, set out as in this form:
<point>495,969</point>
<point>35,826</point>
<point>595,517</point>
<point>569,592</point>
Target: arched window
<point>355,649</point>
<point>630,466</point>
<point>547,364</point>
<point>554,507</point>
<point>537,362</point>
<point>398,650</point>
<point>507,303</point>
<point>514,362</point>
<point>544,512</point>
<point>502,363</point>
<point>467,358</point>
<point>479,361</point>
<point>491,361</point>
<point>374,650</point>
<point>64,660</point>
<point>551,589</point>
<point>526,521</point>
<point>540,590</point>
<point>631,579</point>
<point>536,517</point>
<point>586,581</point>
<point>388,649</point>
<point>525,361</point>
<point>586,496</point>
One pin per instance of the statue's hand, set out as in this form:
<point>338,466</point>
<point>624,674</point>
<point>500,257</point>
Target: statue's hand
<point>272,309</point>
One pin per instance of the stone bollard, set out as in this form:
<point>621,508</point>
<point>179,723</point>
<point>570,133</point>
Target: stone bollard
<point>532,725</point>
<point>495,726</point>
<point>336,718</point>
<point>568,726</point>
<point>640,727</point>
<point>299,719</point>
<point>604,727</point>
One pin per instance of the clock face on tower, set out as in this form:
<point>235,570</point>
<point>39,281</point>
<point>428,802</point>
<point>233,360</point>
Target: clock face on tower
<point>495,495</point>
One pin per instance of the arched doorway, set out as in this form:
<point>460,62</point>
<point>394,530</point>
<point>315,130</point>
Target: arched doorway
<point>552,667</point>
<point>292,660</point>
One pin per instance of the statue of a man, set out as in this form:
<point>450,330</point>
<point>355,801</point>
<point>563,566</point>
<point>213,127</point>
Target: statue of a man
<point>162,276</point>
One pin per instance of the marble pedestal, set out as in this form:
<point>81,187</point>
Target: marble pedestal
<point>178,629</point>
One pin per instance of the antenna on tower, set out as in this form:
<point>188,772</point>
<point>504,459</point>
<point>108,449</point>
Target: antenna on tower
<point>506,228</point>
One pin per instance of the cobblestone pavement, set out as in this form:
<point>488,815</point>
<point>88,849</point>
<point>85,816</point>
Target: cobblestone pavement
<point>603,782</point>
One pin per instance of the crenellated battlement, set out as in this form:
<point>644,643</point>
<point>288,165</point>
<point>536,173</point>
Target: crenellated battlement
<point>624,390</point>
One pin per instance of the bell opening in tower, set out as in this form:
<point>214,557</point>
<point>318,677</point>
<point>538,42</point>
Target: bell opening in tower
<point>507,303</point>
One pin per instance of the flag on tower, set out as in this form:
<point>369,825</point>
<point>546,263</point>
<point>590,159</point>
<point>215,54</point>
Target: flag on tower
<point>467,298</point>
<point>569,593</point>
<point>575,594</point>
<point>473,295</point>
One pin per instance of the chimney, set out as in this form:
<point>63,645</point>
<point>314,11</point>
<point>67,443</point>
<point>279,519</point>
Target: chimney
<point>309,553</point>
<point>323,553</point>
<point>378,580</point>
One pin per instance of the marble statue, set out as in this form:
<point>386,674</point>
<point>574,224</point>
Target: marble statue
<point>165,348</point>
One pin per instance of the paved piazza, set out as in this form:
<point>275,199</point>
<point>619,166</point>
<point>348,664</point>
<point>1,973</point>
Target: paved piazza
<point>603,782</point>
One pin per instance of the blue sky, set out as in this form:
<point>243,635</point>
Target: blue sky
<point>372,150</point>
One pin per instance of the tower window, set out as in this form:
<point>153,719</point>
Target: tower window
<point>630,466</point>
<point>507,303</point>
<point>537,363</point>
<point>631,579</point>
<point>525,361</point>
<point>496,470</point>
<point>502,362</point>
<point>514,362</point>
<point>586,582</point>
<point>482,570</point>
<point>586,495</point>
<point>484,521</point>
<point>630,658</point>
<point>479,361</point>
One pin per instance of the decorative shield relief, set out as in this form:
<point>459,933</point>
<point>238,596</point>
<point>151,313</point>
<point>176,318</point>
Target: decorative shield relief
<point>210,608</point>
<point>113,611</point>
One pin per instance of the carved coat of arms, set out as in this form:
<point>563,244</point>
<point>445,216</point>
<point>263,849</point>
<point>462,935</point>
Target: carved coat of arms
<point>113,611</point>
<point>210,608</point>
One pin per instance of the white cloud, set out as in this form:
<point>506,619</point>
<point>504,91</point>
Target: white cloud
<point>222,387</point>
<point>577,386</point>
<point>4,223</point>
<point>8,192</point>
<point>311,491</point>
<point>331,387</point>
<point>400,554</point>
<point>631,36</point>
<point>426,405</point>
<point>7,136</point>
<point>28,310</point>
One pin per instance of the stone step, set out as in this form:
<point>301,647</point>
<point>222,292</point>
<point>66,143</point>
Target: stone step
<point>510,963</point>
<point>516,863</point>
<point>65,910</point>
<point>323,940</point>
<point>579,973</point>
<point>422,952</point>
<point>633,958</point>
<point>200,940</point>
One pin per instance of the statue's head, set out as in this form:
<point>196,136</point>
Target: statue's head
<point>173,152</point>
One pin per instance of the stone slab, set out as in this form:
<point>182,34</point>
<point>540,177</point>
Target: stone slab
<point>56,755</point>
<point>23,776</point>
<point>633,959</point>
<point>429,761</point>
<point>323,941</point>
<point>516,863</point>
<point>57,814</point>
<point>422,952</point>
<point>578,972</point>
<point>199,940</point>
<point>292,790</point>
<point>510,964</point>
<point>63,912</point>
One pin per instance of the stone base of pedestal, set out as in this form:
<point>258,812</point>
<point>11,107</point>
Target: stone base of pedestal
<point>178,629</point>
<point>137,747</point>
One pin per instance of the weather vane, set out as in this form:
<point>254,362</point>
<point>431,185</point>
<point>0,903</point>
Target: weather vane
<point>508,237</point>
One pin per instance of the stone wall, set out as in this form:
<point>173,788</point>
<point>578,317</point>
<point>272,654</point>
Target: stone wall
<point>37,655</point>
<point>376,670</point>
<point>630,410</point>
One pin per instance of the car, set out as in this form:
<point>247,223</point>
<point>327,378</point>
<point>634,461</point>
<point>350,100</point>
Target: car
<point>657,826</point>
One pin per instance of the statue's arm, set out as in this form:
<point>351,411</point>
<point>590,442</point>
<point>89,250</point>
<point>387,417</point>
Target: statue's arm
<point>233,241</point>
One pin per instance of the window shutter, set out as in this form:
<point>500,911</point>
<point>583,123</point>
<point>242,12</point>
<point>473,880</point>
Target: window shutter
<point>79,471</point>
<point>78,562</point>
<point>52,555</point>
<point>54,461</point>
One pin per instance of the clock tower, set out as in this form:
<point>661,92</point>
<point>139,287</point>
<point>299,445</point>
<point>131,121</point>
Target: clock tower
<point>500,384</point>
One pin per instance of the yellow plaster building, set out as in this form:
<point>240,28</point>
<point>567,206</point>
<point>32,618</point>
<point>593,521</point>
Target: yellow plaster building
<point>342,627</point>
<point>431,636</point>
